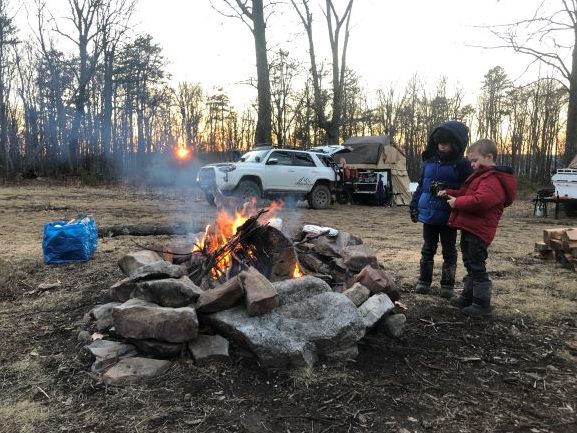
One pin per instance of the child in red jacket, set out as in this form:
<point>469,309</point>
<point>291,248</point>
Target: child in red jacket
<point>477,207</point>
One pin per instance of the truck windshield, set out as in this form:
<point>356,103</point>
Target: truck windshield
<point>254,156</point>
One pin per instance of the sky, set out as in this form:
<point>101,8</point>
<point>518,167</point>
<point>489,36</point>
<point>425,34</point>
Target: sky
<point>391,40</point>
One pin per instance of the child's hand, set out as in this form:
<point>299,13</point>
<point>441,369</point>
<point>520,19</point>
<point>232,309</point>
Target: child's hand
<point>442,193</point>
<point>451,200</point>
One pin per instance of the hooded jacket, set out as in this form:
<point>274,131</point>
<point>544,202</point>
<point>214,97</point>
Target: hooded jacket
<point>481,199</point>
<point>451,173</point>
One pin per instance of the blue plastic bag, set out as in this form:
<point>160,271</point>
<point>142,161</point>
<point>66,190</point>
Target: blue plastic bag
<point>67,242</point>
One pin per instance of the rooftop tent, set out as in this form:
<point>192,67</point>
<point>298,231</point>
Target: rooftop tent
<point>378,153</point>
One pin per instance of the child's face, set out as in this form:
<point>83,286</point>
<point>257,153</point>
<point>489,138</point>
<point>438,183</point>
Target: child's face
<point>444,148</point>
<point>478,160</point>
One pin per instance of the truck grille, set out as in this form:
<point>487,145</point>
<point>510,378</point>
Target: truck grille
<point>206,178</point>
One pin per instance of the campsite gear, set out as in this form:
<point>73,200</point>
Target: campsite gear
<point>425,277</point>
<point>371,156</point>
<point>481,305</point>
<point>448,280</point>
<point>466,297</point>
<point>70,241</point>
<point>315,230</point>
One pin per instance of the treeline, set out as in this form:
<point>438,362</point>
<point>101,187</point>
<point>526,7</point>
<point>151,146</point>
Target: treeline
<point>108,108</point>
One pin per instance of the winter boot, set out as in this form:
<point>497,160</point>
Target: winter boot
<point>466,297</point>
<point>481,305</point>
<point>448,280</point>
<point>425,277</point>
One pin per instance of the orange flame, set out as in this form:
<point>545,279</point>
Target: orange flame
<point>297,271</point>
<point>225,227</point>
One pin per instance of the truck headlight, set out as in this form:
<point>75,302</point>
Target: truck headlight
<point>227,168</point>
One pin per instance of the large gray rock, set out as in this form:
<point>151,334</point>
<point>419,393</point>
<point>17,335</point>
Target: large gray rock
<point>374,308</point>
<point>309,324</point>
<point>221,297</point>
<point>208,348</point>
<point>122,290</point>
<point>132,261</point>
<point>159,349</point>
<point>168,292</point>
<point>134,369</point>
<point>107,353</point>
<point>142,320</point>
<point>260,295</point>
<point>358,294</point>
<point>356,257</point>
<point>102,314</point>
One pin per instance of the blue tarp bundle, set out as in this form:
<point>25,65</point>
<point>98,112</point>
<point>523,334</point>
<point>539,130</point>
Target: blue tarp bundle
<point>73,241</point>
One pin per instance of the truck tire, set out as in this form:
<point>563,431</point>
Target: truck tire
<point>570,208</point>
<point>343,197</point>
<point>319,197</point>
<point>248,188</point>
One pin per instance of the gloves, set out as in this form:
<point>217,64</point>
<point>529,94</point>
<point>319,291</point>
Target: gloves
<point>414,212</point>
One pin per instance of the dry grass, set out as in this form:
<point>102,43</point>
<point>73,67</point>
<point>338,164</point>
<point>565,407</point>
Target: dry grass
<point>522,376</point>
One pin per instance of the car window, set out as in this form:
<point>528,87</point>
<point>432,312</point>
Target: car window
<point>303,159</point>
<point>283,158</point>
<point>254,156</point>
<point>327,161</point>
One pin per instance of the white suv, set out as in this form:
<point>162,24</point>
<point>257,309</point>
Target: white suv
<point>297,174</point>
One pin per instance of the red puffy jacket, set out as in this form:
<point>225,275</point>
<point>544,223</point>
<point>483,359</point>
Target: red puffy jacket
<point>481,199</point>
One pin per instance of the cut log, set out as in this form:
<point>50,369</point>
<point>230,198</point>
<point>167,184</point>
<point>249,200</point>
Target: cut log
<point>542,247</point>
<point>569,239</point>
<point>146,230</point>
<point>556,244</point>
<point>553,233</point>
<point>548,255</point>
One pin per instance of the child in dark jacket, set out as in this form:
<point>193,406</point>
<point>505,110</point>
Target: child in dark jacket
<point>445,166</point>
<point>476,209</point>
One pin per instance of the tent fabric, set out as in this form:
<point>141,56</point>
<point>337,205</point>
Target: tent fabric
<point>378,153</point>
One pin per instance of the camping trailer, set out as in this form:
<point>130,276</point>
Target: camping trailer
<point>374,159</point>
<point>565,183</point>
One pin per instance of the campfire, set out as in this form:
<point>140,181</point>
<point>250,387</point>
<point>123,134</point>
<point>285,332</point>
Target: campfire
<point>238,240</point>
<point>289,298</point>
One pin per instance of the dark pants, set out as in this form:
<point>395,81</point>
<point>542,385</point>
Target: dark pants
<point>474,252</point>
<point>448,236</point>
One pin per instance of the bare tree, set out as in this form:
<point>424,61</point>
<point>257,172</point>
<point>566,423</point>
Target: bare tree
<point>7,42</point>
<point>541,37</point>
<point>251,12</point>
<point>338,31</point>
<point>283,71</point>
<point>189,98</point>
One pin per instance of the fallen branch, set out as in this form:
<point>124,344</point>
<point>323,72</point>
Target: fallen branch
<point>146,230</point>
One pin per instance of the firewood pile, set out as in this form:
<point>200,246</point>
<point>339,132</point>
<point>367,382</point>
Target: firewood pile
<point>559,245</point>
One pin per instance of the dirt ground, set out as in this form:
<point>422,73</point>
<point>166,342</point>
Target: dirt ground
<point>514,372</point>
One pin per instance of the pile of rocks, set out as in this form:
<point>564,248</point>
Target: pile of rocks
<point>157,314</point>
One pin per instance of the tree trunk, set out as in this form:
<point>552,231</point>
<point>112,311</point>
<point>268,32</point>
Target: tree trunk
<point>263,132</point>
<point>571,134</point>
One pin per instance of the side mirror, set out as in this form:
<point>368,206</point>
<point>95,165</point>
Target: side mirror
<point>272,161</point>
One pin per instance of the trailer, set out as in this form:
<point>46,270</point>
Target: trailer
<point>563,194</point>
<point>374,172</point>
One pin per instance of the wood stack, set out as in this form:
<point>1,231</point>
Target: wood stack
<point>560,245</point>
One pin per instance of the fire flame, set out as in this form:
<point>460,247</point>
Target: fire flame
<point>297,271</point>
<point>225,227</point>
